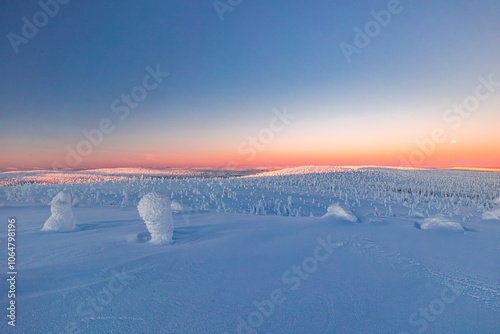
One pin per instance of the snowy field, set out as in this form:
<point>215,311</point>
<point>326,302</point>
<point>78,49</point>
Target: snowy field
<point>302,250</point>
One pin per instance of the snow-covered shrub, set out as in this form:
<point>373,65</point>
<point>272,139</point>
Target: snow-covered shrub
<point>336,211</point>
<point>62,218</point>
<point>125,201</point>
<point>156,211</point>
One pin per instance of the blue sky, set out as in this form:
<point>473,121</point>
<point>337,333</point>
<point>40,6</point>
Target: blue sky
<point>227,76</point>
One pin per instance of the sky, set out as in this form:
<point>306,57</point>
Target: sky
<point>90,84</point>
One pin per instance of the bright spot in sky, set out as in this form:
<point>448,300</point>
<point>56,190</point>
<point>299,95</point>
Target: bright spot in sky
<point>453,141</point>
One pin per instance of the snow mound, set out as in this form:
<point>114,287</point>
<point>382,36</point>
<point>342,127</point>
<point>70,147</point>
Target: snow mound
<point>336,211</point>
<point>493,214</point>
<point>62,218</point>
<point>441,223</point>
<point>497,201</point>
<point>156,211</point>
<point>416,214</point>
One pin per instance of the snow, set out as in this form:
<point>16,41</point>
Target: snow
<point>176,206</point>
<point>493,214</point>
<point>156,211</point>
<point>247,257</point>
<point>441,223</point>
<point>302,170</point>
<point>106,174</point>
<point>62,218</point>
<point>336,211</point>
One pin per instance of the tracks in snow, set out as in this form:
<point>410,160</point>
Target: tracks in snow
<point>485,292</point>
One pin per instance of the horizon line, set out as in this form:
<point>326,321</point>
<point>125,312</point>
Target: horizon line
<point>35,169</point>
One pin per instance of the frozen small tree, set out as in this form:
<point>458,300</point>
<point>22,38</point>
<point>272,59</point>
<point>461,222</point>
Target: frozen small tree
<point>390,213</point>
<point>62,218</point>
<point>125,201</point>
<point>156,212</point>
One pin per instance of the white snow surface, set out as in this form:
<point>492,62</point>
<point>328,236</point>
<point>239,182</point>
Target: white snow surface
<point>252,255</point>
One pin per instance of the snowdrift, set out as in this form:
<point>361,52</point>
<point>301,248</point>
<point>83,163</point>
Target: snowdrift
<point>441,223</point>
<point>493,214</point>
<point>337,211</point>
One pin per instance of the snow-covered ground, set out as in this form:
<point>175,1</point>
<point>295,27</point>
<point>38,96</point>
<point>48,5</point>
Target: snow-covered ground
<point>306,250</point>
<point>106,174</point>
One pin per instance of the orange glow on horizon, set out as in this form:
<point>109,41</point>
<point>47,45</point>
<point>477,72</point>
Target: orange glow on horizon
<point>279,154</point>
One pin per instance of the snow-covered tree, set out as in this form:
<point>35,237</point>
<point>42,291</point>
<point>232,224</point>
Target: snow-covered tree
<point>156,211</point>
<point>62,218</point>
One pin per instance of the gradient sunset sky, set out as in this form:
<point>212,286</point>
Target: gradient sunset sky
<point>227,79</point>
